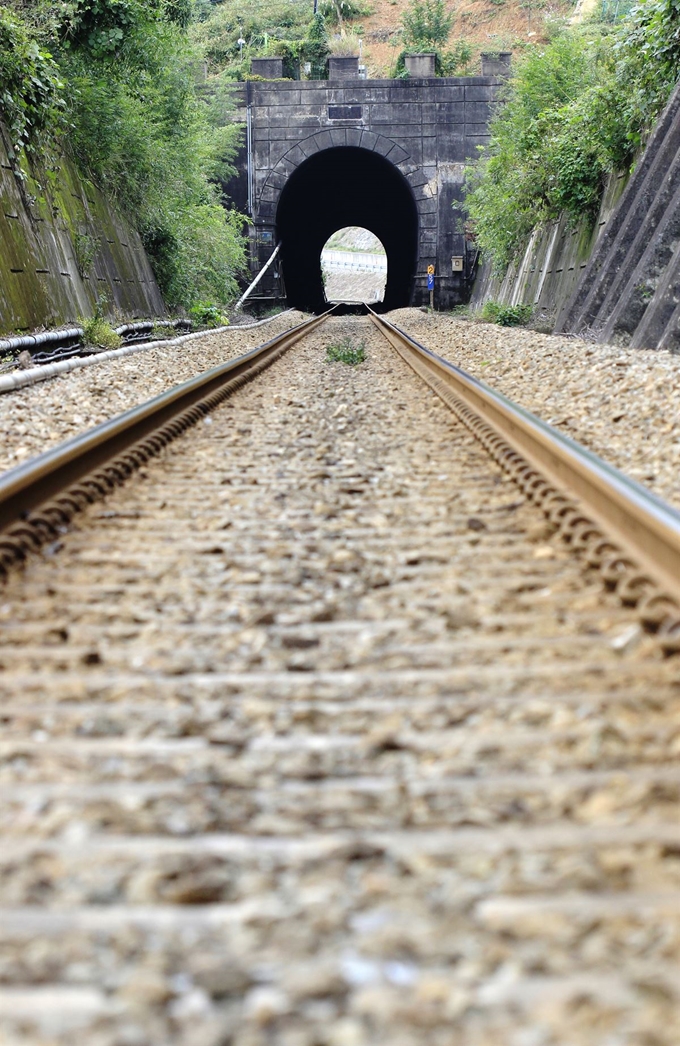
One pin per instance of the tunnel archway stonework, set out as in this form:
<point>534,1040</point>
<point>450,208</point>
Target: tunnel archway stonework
<point>339,185</point>
<point>422,131</point>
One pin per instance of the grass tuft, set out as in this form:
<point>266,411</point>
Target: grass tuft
<point>96,331</point>
<point>346,352</point>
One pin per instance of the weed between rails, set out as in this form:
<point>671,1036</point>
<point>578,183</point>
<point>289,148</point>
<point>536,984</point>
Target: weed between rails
<point>346,352</point>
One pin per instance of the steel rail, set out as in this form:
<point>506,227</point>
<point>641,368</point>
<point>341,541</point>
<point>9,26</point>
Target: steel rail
<point>626,530</point>
<point>115,448</point>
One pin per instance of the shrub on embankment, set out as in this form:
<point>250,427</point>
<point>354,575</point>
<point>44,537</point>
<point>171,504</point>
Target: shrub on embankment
<point>233,32</point>
<point>112,83</point>
<point>573,112</point>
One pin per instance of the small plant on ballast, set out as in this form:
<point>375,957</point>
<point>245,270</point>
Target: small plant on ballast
<point>97,332</point>
<point>346,352</point>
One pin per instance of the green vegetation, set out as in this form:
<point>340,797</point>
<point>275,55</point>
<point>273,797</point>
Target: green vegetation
<point>204,314</point>
<point>505,315</point>
<point>574,111</point>
<point>426,27</point>
<point>31,89</point>
<point>112,83</point>
<point>86,248</point>
<point>233,32</point>
<point>346,352</point>
<point>314,49</point>
<point>455,61</point>
<point>427,24</point>
<point>162,331</point>
<point>97,332</point>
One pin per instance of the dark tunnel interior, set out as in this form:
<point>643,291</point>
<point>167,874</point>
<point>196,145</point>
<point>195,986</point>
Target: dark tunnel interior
<point>336,188</point>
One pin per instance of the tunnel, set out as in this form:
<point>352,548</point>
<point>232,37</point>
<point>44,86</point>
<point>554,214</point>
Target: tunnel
<point>333,189</point>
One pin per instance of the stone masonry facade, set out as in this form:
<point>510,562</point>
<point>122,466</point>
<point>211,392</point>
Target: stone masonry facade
<point>430,129</point>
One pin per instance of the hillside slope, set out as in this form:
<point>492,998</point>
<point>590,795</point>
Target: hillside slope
<point>232,32</point>
<point>486,25</point>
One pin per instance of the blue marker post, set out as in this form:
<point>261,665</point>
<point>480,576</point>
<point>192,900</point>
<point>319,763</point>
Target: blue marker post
<point>430,284</point>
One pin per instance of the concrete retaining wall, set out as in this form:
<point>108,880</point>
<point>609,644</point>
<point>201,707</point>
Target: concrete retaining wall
<point>619,284</point>
<point>629,293</point>
<point>552,264</point>
<point>63,248</point>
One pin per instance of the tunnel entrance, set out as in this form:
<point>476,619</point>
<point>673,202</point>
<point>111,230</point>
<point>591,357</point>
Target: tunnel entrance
<point>340,187</point>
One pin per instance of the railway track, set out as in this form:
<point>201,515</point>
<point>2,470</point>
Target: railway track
<point>317,733</point>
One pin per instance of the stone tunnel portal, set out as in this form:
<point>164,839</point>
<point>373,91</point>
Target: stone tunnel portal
<point>339,187</point>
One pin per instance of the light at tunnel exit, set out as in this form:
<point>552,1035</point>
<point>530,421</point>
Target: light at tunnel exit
<point>354,266</point>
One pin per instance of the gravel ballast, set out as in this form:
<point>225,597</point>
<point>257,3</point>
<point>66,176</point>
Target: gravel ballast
<point>38,417</point>
<point>314,735</point>
<point>623,404</point>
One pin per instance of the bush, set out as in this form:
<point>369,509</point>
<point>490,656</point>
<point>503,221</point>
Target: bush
<point>86,248</point>
<point>141,132</point>
<point>505,315</point>
<point>104,28</point>
<point>454,62</point>
<point>267,27</point>
<point>205,314</point>
<point>31,89</point>
<point>315,48</point>
<point>122,81</point>
<point>518,184</point>
<point>427,24</point>
<point>573,112</point>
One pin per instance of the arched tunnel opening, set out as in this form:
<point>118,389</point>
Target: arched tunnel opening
<point>345,186</point>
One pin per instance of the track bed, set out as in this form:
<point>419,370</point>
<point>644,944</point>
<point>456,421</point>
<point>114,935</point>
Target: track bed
<point>314,736</point>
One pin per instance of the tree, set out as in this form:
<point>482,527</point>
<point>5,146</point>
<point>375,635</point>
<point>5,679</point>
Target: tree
<point>315,49</point>
<point>427,24</point>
